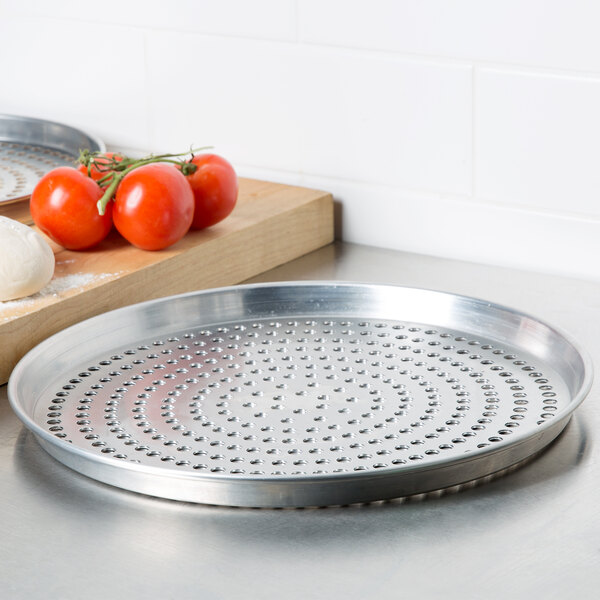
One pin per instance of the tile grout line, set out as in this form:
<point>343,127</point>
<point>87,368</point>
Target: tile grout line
<point>529,69</point>
<point>148,105</point>
<point>297,20</point>
<point>473,131</point>
<point>309,180</point>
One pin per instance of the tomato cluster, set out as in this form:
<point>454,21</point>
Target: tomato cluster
<point>151,202</point>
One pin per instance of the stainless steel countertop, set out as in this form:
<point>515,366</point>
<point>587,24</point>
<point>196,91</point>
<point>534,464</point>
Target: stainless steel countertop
<point>533,532</point>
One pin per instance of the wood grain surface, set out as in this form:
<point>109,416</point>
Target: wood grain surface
<point>271,224</point>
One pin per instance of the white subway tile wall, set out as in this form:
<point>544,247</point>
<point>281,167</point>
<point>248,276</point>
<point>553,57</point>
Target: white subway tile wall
<point>65,71</point>
<point>537,141</point>
<point>462,129</point>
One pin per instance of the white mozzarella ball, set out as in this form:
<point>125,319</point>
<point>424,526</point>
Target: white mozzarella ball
<point>26,260</point>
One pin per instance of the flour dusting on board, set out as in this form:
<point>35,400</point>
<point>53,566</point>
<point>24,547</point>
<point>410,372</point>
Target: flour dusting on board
<point>57,287</point>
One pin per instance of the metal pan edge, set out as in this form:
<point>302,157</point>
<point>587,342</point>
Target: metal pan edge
<point>35,140</point>
<point>335,488</point>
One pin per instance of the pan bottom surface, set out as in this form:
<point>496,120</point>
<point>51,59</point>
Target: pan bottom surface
<point>301,401</point>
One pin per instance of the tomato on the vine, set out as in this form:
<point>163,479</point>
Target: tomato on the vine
<point>153,206</point>
<point>101,165</point>
<point>215,187</point>
<point>63,206</point>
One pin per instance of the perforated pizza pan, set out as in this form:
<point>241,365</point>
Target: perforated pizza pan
<point>299,394</point>
<point>29,148</point>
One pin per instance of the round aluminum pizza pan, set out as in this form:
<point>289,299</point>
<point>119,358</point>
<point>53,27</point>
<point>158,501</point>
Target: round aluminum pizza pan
<point>29,148</point>
<point>300,394</point>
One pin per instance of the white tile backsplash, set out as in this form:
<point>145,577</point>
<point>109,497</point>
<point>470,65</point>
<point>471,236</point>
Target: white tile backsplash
<point>267,19</point>
<point>454,227</point>
<point>537,142</point>
<point>245,102</point>
<point>539,33</point>
<point>65,71</point>
<point>380,119</point>
<point>464,129</point>
<point>327,112</point>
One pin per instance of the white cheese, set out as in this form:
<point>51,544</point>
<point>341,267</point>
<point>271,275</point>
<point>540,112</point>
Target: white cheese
<point>26,260</point>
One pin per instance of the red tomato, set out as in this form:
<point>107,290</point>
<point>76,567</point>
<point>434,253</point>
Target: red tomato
<point>215,187</point>
<point>154,206</point>
<point>63,206</point>
<point>95,173</point>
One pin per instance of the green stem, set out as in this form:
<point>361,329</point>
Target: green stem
<point>187,169</point>
<point>114,184</point>
<point>105,179</point>
<point>109,192</point>
<point>117,170</point>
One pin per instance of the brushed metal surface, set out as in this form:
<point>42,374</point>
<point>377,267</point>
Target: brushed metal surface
<point>531,533</point>
<point>29,148</point>
<point>300,394</point>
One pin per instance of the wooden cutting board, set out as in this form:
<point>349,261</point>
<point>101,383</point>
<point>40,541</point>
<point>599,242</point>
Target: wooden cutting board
<point>271,224</point>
